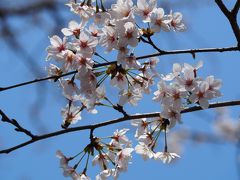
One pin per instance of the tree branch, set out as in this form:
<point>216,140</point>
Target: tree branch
<point>236,8</point>
<point>190,51</point>
<point>114,121</point>
<point>232,17</point>
<point>14,122</point>
<point>185,51</point>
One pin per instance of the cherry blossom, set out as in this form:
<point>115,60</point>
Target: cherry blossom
<point>144,151</point>
<point>109,38</point>
<point>84,11</point>
<point>73,28</point>
<point>120,137</point>
<point>86,44</point>
<point>159,20</point>
<point>166,157</point>
<point>121,9</point>
<point>201,95</point>
<point>70,89</point>
<point>132,96</point>
<point>141,125</point>
<point>176,21</point>
<point>119,80</point>
<point>144,9</point>
<point>214,86</point>
<point>71,115</point>
<point>129,34</point>
<point>162,93</point>
<point>123,158</point>
<point>57,47</point>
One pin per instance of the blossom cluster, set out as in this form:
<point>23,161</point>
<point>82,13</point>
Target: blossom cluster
<point>116,154</point>
<point>114,29</point>
<point>118,29</point>
<point>185,88</point>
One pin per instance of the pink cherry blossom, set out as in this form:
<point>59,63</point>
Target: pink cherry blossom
<point>159,21</point>
<point>57,47</point>
<point>166,157</point>
<point>73,28</point>
<point>144,9</point>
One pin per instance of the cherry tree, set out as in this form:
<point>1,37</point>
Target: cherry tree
<point>80,61</point>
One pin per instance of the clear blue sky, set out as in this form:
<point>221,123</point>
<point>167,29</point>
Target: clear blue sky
<point>39,110</point>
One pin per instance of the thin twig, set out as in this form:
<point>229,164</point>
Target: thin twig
<point>154,45</point>
<point>190,51</point>
<point>14,122</point>
<point>236,7</point>
<point>232,17</point>
<point>114,121</point>
<point>185,51</point>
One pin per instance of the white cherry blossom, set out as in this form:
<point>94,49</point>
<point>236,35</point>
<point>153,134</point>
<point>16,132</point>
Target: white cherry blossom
<point>70,89</point>
<point>131,96</point>
<point>201,95</point>
<point>74,28</point>
<point>109,38</point>
<point>214,86</point>
<point>144,151</point>
<point>159,21</point>
<point>161,95</point>
<point>176,21</point>
<point>165,157</point>
<point>57,47</point>
<point>123,158</point>
<point>144,9</point>
<point>86,44</point>
<point>121,9</point>
<point>119,80</point>
<point>129,34</point>
<point>71,115</point>
<point>142,126</point>
<point>84,11</point>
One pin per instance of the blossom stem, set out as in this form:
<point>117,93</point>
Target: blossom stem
<point>165,140</point>
<point>76,165</point>
<point>102,80</point>
<point>86,165</point>
<point>113,163</point>
<point>98,55</point>
<point>77,154</point>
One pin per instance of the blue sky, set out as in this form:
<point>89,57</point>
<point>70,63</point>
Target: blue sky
<point>38,106</point>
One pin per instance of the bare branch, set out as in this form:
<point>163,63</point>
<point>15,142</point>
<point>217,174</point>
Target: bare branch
<point>14,122</point>
<point>190,51</point>
<point>185,51</point>
<point>236,8</point>
<point>232,17</point>
<point>223,8</point>
<point>114,121</point>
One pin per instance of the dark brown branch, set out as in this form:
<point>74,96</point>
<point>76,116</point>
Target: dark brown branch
<point>232,17</point>
<point>154,45</point>
<point>114,121</point>
<point>186,51</point>
<point>223,8</point>
<point>14,122</point>
<point>120,109</point>
<point>150,42</point>
<point>190,51</point>
<point>36,80</point>
<point>236,8</point>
